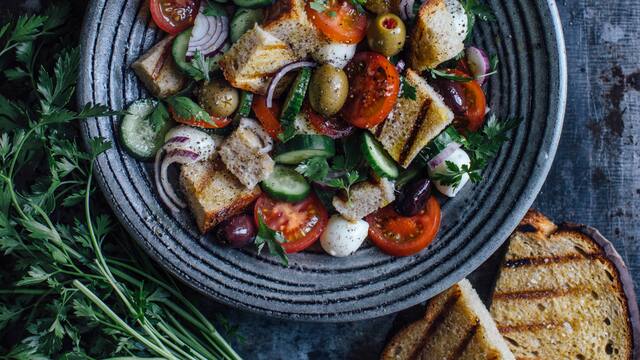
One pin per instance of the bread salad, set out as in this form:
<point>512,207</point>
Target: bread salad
<point>331,121</point>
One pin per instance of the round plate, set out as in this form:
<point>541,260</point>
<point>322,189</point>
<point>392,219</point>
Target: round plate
<point>531,83</point>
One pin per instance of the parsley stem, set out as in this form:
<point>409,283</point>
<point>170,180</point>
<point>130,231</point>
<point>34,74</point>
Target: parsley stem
<point>91,296</point>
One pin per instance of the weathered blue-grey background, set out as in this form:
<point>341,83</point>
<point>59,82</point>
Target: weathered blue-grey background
<point>595,179</point>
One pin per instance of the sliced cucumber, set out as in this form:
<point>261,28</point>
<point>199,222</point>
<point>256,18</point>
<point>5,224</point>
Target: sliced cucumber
<point>243,20</point>
<point>139,137</point>
<point>295,98</point>
<point>303,147</point>
<point>378,158</point>
<point>286,184</point>
<point>244,109</point>
<point>179,51</point>
<point>252,4</point>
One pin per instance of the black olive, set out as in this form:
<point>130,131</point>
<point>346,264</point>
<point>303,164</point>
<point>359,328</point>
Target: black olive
<point>413,197</point>
<point>237,232</point>
<point>453,94</point>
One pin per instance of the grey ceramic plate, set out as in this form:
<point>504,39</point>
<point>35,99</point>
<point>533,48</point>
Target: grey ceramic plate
<point>531,83</point>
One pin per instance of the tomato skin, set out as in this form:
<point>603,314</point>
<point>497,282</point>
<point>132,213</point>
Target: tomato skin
<point>268,117</point>
<point>374,84</point>
<point>412,233</point>
<point>332,127</point>
<point>187,10</point>
<point>341,22</point>
<point>466,99</point>
<point>293,220</point>
<point>216,122</point>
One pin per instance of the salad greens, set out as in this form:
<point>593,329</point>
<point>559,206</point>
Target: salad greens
<point>74,285</point>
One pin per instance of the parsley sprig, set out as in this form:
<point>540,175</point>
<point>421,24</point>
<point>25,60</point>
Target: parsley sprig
<point>476,10</point>
<point>481,146</point>
<point>75,286</point>
<point>273,239</point>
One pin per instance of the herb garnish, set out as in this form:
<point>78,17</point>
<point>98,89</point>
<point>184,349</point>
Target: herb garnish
<point>476,9</point>
<point>273,239</point>
<point>213,9</point>
<point>75,286</point>
<point>481,146</point>
<point>435,73</point>
<point>186,108</point>
<point>407,91</point>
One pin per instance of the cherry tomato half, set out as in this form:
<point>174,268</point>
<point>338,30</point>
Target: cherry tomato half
<point>373,89</point>
<point>268,117</point>
<point>174,16</point>
<point>465,99</point>
<point>216,122</point>
<point>301,223</point>
<point>397,235</point>
<point>332,127</point>
<point>340,21</point>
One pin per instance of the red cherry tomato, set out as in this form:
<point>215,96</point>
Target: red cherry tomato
<point>301,223</point>
<point>340,21</point>
<point>216,122</point>
<point>397,235</point>
<point>465,99</point>
<point>373,89</point>
<point>332,127</point>
<point>174,16</point>
<point>268,117</point>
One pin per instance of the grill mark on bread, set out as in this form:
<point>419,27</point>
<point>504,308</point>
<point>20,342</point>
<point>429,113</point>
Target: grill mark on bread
<point>539,294</point>
<point>408,144</point>
<point>166,51</point>
<point>437,321</point>
<point>465,341</point>
<point>547,260</point>
<point>533,327</point>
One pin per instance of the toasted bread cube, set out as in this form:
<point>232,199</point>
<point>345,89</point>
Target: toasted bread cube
<point>158,71</point>
<point>366,197</point>
<point>214,194</point>
<point>245,153</point>
<point>251,62</point>
<point>438,34</point>
<point>287,20</point>
<point>413,123</point>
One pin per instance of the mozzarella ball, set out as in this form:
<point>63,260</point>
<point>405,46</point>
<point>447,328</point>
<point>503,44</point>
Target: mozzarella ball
<point>343,237</point>
<point>335,54</point>
<point>458,157</point>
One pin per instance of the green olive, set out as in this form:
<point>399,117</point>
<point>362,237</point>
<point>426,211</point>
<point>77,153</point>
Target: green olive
<point>378,6</point>
<point>328,89</point>
<point>218,98</point>
<point>386,34</point>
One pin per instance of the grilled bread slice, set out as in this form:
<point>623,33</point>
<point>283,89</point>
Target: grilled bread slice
<point>438,34</point>
<point>366,197</point>
<point>456,326</point>
<point>413,123</point>
<point>564,293</point>
<point>287,20</point>
<point>214,193</point>
<point>254,59</point>
<point>158,71</point>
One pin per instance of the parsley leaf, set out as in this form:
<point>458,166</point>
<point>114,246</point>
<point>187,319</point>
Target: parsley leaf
<point>454,174</point>
<point>484,145</point>
<point>435,73</point>
<point>319,5</point>
<point>273,239</point>
<point>201,66</point>
<point>159,116</point>
<point>187,109</point>
<point>314,169</point>
<point>476,9</point>
<point>407,91</point>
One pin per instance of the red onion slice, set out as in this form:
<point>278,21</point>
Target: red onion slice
<point>443,155</point>
<point>179,156</point>
<point>280,74</point>
<point>208,35</point>
<point>159,186</point>
<point>400,66</point>
<point>479,63</point>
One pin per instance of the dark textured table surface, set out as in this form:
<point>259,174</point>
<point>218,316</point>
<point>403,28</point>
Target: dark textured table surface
<point>595,179</point>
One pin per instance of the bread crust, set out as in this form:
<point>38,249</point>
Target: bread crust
<point>541,247</point>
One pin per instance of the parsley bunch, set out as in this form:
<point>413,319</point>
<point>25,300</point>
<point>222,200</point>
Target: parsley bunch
<point>74,285</point>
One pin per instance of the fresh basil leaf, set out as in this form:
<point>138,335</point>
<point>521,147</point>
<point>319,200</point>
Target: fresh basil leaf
<point>159,116</point>
<point>187,109</point>
<point>407,91</point>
